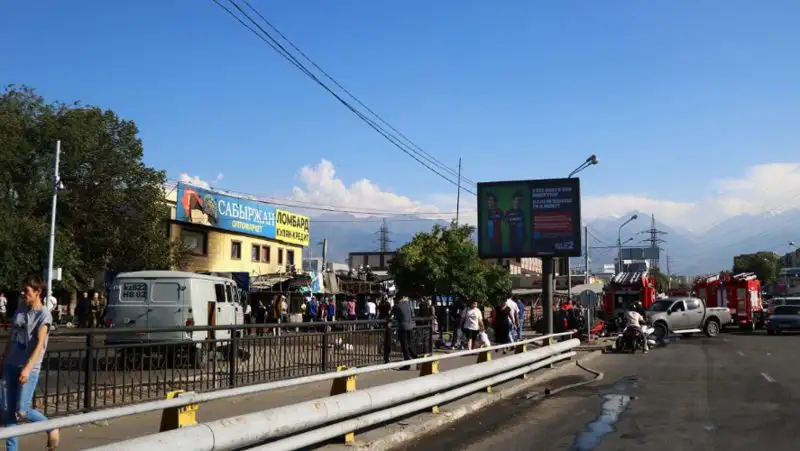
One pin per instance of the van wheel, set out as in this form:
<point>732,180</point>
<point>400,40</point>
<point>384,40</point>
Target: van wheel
<point>199,357</point>
<point>660,333</point>
<point>712,328</point>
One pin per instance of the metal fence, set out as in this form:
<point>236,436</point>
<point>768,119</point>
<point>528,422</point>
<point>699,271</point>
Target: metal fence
<point>90,369</point>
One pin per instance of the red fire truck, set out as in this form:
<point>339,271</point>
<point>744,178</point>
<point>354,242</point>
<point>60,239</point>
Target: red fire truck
<point>740,293</point>
<point>744,300</point>
<point>626,288</point>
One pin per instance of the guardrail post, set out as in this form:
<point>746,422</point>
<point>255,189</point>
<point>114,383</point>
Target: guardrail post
<point>387,342</point>
<point>88,372</point>
<point>431,333</point>
<point>232,356</point>
<point>485,356</point>
<point>519,349</point>
<point>426,369</point>
<point>178,417</point>
<point>340,386</point>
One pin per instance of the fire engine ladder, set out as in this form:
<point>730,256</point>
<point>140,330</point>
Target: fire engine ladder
<point>745,276</point>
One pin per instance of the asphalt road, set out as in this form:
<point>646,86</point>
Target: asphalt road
<point>733,392</point>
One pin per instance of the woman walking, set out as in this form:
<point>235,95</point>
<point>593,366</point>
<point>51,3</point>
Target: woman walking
<point>472,323</point>
<point>22,360</point>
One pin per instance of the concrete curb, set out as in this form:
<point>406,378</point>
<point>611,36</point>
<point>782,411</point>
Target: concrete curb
<point>447,417</point>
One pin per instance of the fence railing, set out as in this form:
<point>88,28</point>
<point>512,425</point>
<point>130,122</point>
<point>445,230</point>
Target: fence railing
<point>512,367</point>
<point>89,369</point>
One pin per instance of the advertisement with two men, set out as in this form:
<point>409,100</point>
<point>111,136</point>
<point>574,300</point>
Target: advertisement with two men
<point>201,206</point>
<point>529,218</point>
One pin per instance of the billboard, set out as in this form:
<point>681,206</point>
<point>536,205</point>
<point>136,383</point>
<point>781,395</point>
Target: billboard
<point>201,206</point>
<point>529,218</point>
<point>640,253</point>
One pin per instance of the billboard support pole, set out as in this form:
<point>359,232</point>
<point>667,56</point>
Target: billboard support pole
<point>548,269</point>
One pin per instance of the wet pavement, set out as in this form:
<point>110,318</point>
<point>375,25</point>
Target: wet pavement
<point>733,392</point>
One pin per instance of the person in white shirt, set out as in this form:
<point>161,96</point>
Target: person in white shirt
<point>513,312</point>
<point>372,309</point>
<point>471,323</point>
<point>3,308</point>
<point>636,320</point>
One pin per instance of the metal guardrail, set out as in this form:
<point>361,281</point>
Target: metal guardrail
<point>91,369</point>
<point>294,426</point>
<point>197,398</point>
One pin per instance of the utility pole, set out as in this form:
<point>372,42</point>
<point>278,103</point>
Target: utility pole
<point>56,187</point>
<point>458,193</point>
<point>586,254</point>
<point>669,274</point>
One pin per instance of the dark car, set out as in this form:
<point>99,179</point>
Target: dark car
<point>784,318</point>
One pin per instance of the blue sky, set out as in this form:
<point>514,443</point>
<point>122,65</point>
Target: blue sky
<point>670,95</point>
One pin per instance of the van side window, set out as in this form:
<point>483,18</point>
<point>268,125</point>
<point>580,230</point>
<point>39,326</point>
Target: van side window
<point>166,292</point>
<point>219,289</point>
<point>693,304</point>
<point>229,292</point>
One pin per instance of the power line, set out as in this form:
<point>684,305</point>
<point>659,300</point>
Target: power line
<point>319,207</point>
<point>416,147</point>
<point>281,50</point>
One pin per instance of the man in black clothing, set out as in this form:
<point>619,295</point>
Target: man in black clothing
<point>402,313</point>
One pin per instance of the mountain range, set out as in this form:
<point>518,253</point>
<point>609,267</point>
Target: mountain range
<point>685,252</point>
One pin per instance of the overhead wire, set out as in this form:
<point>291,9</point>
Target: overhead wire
<point>281,50</point>
<point>291,203</point>
<point>411,143</point>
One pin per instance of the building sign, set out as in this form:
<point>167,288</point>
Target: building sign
<point>201,206</point>
<point>529,218</point>
<point>291,228</point>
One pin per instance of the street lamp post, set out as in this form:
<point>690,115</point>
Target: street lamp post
<point>591,161</point>
<point>51,250</point>
<point>619,241</point>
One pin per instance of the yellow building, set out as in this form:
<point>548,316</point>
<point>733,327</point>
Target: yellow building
<point>230,234</point>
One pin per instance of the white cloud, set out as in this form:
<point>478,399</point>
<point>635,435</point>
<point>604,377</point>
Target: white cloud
<point>194,180</point>
<point>320,186</point>
<point>770,187</point>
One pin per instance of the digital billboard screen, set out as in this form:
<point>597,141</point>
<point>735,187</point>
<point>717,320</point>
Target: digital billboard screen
<point>529,218</point>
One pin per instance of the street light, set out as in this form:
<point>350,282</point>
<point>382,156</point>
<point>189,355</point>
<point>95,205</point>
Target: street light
<point>591,161</point>
<point>619,241</point>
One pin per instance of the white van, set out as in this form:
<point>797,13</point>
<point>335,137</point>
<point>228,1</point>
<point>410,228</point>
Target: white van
<point>159,299</point>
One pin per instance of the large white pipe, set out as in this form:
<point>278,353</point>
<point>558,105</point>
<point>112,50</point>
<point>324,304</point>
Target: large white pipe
<point>254,428</point>
<point>318,435</point>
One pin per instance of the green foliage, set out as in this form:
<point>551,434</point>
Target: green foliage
<point>765,265</point>
<point>112,213</point>
<point>662,281</point>
<point>445,261</point>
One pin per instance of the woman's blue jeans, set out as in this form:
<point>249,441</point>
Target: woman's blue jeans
<point>19,398</point>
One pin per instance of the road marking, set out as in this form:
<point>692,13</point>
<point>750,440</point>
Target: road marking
<point>725,340</point>
<point>740,353</point>
<point>769,353</point>
<point>768,377</point>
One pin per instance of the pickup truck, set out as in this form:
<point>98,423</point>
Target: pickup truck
<point>686,315</point>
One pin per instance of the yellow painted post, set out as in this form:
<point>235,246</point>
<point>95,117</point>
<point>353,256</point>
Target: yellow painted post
<point>485,356</point>
<point>178,417</point>
<point>340,386</point>
<point>426,369</point>
<point>519,349</point>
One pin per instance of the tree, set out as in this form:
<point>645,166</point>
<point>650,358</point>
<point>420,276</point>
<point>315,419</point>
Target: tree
<point>765,265</point>
<point>445,261</point>
<point>112,214</point>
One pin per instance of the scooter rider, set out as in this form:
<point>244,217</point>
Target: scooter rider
<point>636,320</point>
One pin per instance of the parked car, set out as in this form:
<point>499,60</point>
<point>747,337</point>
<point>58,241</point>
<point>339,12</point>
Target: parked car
<point>784,318</point>
<point>686,315</point>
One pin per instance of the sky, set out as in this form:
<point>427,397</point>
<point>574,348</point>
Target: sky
<point>690,106</point>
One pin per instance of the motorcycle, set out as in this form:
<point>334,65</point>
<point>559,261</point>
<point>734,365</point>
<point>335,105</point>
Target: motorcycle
<point>632,338</point>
